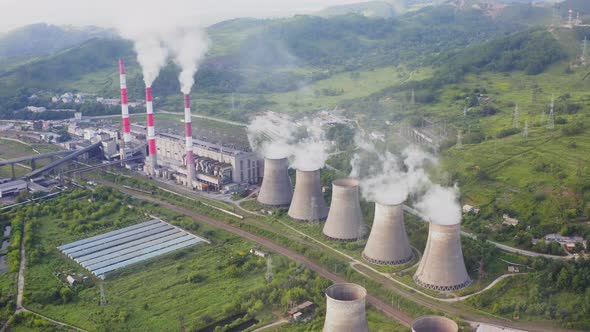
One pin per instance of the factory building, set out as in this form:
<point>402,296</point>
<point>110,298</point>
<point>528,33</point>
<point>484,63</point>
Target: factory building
<point>215,164</point>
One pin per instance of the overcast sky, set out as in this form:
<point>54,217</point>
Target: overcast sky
<point>113,13</point>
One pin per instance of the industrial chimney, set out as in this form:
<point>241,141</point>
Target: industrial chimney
<point>345,220</point>
<point>345,309</point>
<point>442,267</point>
<point>151,132</point>
<point>276,189</point>
<point>124,108</point>
<point>190,158</point>
<point>434,324</point>
<point>308,202</point>
<point>388,242</point>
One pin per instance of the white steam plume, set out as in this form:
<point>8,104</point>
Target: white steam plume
<point>277,136</point>
<point>441,205</point>
<point>151,55</point>
<point>386,178</point>
<point>189,46</point>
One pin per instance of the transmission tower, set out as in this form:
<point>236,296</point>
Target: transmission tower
<point>269,269</point>
<point>459,139</point>
<point>525,132</point>
<point>584,46</point>
<point>103,298</point>
<point>361,234</point>
<point>515,117</point>
<point>465,111</point>
<point>551,124</point>
<point>556,17</point>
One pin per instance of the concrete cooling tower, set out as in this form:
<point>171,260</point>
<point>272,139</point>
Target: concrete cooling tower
<point>345,220</point>
<point>276,189</point>
<point>308,202</point>
<point>434,324</point>
<point>345,309</point>
<point>442,267</point>
<point>388,242</point>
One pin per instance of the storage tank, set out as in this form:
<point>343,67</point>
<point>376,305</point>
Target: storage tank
<point>308,202</point>
<point>434,324</point>
<point>345,219</point>
<point>345,309</point>
<point>442,267</point>
<point>276,189</point>
<point>388,242</point>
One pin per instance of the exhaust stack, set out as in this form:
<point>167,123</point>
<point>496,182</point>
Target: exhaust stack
<point>124,107</point>
<point>276,189</point>
<point>442,267</point>
<point>345,308</point>
<point>151,132</point>
<point>345,219</point>
<point>434,324</point>
<point>188,126</point>
<point>308,202</point>
<point>388,242</point>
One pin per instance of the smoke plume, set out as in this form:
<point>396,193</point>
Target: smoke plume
<point>441,205</point>
<point>277,136</point>
<point>151,55</point>
<point>189,46</point>
<point>386,178</point>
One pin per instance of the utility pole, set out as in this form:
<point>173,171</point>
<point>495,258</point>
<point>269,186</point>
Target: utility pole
<point>465,111</point>
<point>584,46</point>
<point>103,298</point>
<point>459,139</point>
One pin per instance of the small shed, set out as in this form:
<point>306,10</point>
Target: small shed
<point>71,280</point>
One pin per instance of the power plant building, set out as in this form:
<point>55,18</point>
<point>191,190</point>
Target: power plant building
<point>308,202</point>
<point>345,219</point>
<point>276,189</point>
<point>215,164</point>
<point>345,308</point>
<point>388,242</point>
<point>442,267</point>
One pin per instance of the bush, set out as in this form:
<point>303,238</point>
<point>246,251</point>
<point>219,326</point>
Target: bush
<point>573,129</point>
<point>508,132</point>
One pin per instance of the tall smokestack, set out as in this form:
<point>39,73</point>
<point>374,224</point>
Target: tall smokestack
<point>276,189</point>
<point>345,309</point>
<point>308,202</point>
<point>388,242</point>
<point>345,219</point>
<point>151,131</point>
<point>434,324</point>
<point>124,106</point>
<point>188,126</point>
<point>442,267</point>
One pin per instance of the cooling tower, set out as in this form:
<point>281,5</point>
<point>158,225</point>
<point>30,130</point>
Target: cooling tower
<point>434,324</point>
<point>308,202</point>
<point>276,189</point>
<point>442,267</point>
<point>388,242</point>
<point>345,220</point>
<point>345,309</point>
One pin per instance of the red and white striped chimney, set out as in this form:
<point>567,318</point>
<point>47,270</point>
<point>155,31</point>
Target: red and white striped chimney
<point>190,158</point>
<point>124,105</point>
<point>151,131</point>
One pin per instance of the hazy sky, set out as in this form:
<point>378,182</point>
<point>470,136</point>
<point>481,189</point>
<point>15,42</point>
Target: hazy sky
<point>113,13</point>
